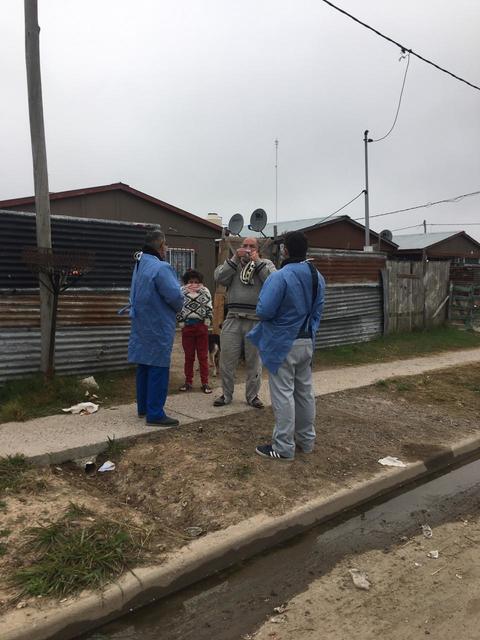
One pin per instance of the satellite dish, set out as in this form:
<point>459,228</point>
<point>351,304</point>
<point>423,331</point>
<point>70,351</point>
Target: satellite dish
<point>386,234</point>
<point>236,224</point>
<point>258,220</point>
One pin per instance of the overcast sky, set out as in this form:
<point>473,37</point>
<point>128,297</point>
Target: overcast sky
<point>183,99</point>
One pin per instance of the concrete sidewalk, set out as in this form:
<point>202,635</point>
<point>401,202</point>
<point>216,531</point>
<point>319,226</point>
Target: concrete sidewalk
<point>64,437</point>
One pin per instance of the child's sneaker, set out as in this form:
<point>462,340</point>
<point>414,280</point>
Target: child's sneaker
<point>186,387</point>
<point>206,388</point>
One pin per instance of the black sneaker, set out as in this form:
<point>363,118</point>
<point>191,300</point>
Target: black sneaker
<point>267,451</point>
<point>220,402</point>
<point>257,403</point>
<point>163,422</point>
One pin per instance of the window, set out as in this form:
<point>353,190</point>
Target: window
<point>181,260</point>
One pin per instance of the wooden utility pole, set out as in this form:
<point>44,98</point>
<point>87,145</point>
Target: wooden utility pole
<point>40,173</point>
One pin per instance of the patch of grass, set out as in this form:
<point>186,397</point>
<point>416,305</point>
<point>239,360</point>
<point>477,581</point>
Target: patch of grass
<point>34,396</point>
<point>114,448</point>
<point>4,533</point>
<point>381,384</point>
<point>3,548</point>
<point>3,505</point>
<point>75,511</point>
<point>404,386</point>
<point>12,472</point>
<point>71,556</point>
<point>398,346</point>
<point>242,471</point>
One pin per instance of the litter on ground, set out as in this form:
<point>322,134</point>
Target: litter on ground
<point>107,466</point>
<point>360,579</point>
<point>89,383</point>
<point>391,461</point>
<point>427,531</point>
<point>82,408</point>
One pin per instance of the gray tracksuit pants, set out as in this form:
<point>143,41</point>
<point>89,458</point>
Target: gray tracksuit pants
<point>293,401</point>
<point>232,339</point>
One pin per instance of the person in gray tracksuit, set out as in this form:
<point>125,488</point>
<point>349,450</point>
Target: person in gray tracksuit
<point>243,275</point>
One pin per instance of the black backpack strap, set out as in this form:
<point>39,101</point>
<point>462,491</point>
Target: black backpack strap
<point>305,330</point>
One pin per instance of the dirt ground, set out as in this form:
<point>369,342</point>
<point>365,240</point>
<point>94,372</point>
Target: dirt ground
<point>411,597</point>
<point>206,474</point>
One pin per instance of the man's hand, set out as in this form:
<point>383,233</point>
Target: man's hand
<point>243,253</point>
<point>254,255</point>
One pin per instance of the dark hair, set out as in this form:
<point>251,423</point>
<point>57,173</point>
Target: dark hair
<point>153,236</point>
<point>192,273</point>
<point>297,244</point>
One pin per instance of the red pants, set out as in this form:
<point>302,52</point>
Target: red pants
<point>195,339</point>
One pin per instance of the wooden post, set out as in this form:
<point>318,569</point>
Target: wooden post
<point>40,173</point>
<point>220,291</point>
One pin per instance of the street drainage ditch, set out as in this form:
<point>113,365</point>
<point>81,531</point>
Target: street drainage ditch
<point>235,602</point>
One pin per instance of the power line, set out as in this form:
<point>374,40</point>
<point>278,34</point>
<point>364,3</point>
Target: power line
<point>401,46</point>
<point>345,205</point>
<point>413,226</point>
<point>453,224</point>
<point>399,104</point>
<point>422,206</point>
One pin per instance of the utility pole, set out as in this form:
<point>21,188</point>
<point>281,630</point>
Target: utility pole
<point>366,140</point>
<point>40,173</point>
<point>424,226</point>
<point>276,180</point>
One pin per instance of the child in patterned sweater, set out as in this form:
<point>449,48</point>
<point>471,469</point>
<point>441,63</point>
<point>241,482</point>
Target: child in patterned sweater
<point>194,318</point>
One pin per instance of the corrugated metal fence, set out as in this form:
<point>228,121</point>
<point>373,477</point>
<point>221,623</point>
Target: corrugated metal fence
<point>354,300</point>
<point>90,335</point>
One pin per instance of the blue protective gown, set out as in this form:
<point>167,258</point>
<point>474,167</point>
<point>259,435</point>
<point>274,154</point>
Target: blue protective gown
<point>284,303</point>
<point>155,299</point>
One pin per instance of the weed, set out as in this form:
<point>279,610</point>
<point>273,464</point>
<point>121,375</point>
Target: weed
<point>34,396</point>
<point>242,471</point>
<point>114,448</point>
<point>3,505</point>
<point>13,411</point>
<point>404,385</point>
<point>12,471</point>
<point>72,557</point>
<point>3,548</point>
<point>4,533</point>
<point>397,346</point>
<point>77,511</point>
<point>381,384</point>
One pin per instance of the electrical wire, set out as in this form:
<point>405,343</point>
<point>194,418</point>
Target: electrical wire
<point>422,206</point>
<point>413,226</point>
<point>401,46</point>
<point>345,205</point>
<point>399,104</point>
<point>453,224</point>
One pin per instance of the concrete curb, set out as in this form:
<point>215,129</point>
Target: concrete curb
<point>213,553</point>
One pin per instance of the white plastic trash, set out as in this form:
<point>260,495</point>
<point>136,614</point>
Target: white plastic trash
<point>82,408</point>
<point>89,383</point>
<point>391,461</point>
<point>107,466</point>
<point>360,579</point>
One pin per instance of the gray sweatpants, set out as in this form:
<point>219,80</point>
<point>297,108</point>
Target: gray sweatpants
<point>293,401</point>
<point>232,338</point>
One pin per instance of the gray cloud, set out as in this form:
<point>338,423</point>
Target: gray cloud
<point>183,99</point>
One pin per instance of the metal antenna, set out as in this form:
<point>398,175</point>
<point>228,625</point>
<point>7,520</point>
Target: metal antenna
<point>276,180</point>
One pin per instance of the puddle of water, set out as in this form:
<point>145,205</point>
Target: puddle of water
<point>237,601</point>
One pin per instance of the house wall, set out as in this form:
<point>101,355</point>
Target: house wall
<point>180,231</point>
<point>456,247</point>
<point>343,235</point>
<point>459,247</point>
